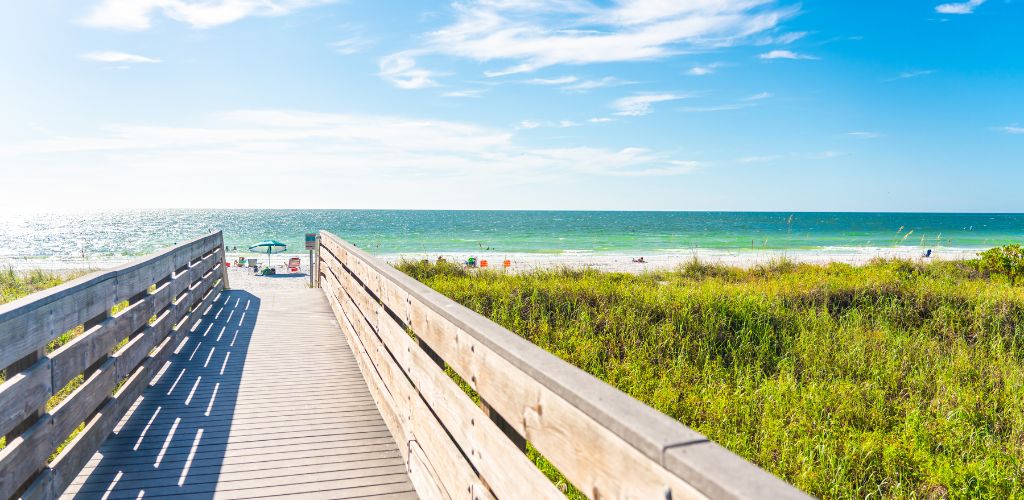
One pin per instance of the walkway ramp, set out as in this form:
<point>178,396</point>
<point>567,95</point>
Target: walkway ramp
<point>264,398</point>
<point>373,385</point>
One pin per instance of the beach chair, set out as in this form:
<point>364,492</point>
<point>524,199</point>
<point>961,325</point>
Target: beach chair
<point>294,264</point>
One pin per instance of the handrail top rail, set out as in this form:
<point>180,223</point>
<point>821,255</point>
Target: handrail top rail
<point>656,435</point>
<point>41,298</point>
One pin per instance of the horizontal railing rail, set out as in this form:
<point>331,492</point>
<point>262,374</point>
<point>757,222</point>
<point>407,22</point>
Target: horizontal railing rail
<point>103,369</point>
<point>409,339</point>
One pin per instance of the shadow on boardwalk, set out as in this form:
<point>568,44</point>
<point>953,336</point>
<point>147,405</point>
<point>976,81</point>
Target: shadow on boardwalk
<point>175,439</point>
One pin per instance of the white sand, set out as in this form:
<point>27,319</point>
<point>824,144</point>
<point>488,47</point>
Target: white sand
<point>624,263</point>
<point>601,261</point>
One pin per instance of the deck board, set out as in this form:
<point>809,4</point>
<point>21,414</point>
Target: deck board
<point>263,398</point>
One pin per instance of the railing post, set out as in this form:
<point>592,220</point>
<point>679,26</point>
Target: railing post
<point>223,263</point>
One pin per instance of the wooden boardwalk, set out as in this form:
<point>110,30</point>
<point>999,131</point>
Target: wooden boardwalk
<point>263,398</point>
<point>275,389</point>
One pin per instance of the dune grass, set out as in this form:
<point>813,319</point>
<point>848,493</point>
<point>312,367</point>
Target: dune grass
<point>894,379</point>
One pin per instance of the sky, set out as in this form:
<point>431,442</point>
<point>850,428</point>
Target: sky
<point>513,104</point>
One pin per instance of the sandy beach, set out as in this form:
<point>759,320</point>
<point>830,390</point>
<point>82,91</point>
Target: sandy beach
<point>745,259</point>
<point>521,262</point>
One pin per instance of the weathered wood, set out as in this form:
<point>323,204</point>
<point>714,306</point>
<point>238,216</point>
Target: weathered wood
<point>81,403</point>
<point>499,460</point>
<point>24,456</point>
<point>23,394</point>
<point>246,377</point>
<point>224,268</point>
<point>37,319</point>
<point>78,452</point>
<point>456,474</point>
<point>603,441</point>
<point>28,324</point>
<point>41,488</point>
<point>382,397</point>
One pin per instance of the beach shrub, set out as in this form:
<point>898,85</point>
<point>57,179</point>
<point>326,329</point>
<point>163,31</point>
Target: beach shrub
<point>893,379</point>
<point>1006,261</point>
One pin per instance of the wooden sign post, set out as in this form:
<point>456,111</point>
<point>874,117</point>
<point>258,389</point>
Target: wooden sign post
<point>311,245</point>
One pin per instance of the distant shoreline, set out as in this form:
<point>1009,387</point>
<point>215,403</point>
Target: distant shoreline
<point>614,262</point>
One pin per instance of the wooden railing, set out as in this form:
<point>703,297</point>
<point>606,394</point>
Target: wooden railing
<point>111,361</point>
<point>604,442</point>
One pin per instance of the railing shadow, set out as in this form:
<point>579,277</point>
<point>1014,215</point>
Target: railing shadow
<point>175,439</point>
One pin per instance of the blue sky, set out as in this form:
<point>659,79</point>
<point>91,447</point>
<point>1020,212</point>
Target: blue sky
<point>513,104</point>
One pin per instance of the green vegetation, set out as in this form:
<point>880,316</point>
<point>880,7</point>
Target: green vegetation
<point>894,379</point>
<point>15,285</point>
<point>1006,261</point>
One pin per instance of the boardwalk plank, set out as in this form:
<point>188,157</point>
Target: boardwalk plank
<point>262,398</point>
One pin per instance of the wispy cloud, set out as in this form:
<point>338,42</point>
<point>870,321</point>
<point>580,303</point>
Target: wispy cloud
<point>531,34</point>
<point>575,84</point>
<point>1012,129</point>
<point>561,80</point>
<point>746,102</point>
<point>272,142</point>
<point>864,135</point>
<point>400,69</point>
<point>601,119</point>
<point>350,45</point>
<point>532,124</point>
<point>783,39</point>
<point>705,69</point>
<point>712,109</point>
<point>111,56</point>
<point>639,105</point>
<point>138,14</point>
<point>785,54</point>
<point>959,7</point>
<point>585,85</point>
<point>911,74</point>
<point>788,38</point>
<point>464,93</point>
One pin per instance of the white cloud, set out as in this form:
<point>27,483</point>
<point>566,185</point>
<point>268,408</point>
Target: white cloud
<point>711,109</point>
<point>533,34</point>
<point>706,69</point>
<point>1012,129</point>
<point>639,105</point>
<point>911,74</point>
<point>139,14</point>
<point>601,119</point>
<point>575,84</point>
<point>758,96</point>
<point>585,85</point>
<point>785,54</point>
<point>561,80</point>
<point>400,69</point>
<point>111,56</point>
<point>351,45</point>
<point>864,135</point>
<point>464,93</point>
<point>788,38</point>
<point>274,144</point>
<point>531,124</point>
<point>959,8</point>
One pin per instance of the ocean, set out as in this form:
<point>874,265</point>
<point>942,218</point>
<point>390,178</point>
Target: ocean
<point>120,234</point>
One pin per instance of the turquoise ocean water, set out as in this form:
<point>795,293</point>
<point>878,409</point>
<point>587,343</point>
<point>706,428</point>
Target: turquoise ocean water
<point>125,233</point>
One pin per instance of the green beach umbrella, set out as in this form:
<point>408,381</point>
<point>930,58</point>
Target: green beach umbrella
<point>268,247</point>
